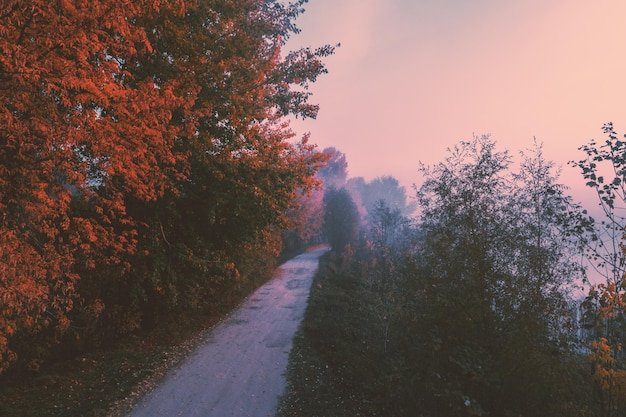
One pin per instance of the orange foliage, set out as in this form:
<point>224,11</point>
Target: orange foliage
<point>133,134</point>
<point>68,121</point>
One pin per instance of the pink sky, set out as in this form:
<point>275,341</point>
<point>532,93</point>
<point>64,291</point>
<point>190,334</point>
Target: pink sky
<point>414,77</point>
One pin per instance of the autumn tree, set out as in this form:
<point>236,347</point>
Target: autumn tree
<point>604,309</point>
<point>146,161</point>
<point>59,75</point>
<point>242,173</point>
<point>384,188</point>
<point>307,220</point>
<point>391,237</point>
<point>341,219</point>
<point>335,172</point>
<point>309,215</point>
<point>495,266</point>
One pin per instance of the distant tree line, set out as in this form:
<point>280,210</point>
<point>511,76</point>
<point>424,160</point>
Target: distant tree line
<point>352,203</point>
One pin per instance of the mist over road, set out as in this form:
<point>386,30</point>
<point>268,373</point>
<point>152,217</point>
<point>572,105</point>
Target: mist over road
<point>239,371</point>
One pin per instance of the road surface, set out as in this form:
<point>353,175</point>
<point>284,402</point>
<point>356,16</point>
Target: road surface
<point>239,371</point>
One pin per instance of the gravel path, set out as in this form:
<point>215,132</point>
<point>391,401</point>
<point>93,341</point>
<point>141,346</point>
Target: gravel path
<point>239,371</point>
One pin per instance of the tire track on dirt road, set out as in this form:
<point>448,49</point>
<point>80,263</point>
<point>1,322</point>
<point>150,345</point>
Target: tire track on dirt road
<point>239,370</point>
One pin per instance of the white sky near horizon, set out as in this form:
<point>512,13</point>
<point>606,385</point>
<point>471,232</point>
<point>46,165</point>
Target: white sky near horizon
<point>415,77</point>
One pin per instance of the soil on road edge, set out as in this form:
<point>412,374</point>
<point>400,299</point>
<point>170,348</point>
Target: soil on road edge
<point>239,370</point>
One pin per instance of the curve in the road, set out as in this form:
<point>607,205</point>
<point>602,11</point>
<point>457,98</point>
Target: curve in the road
<point>239,371</point>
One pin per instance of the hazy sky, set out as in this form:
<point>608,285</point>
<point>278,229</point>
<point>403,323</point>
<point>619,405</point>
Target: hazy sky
<point>414,77</point>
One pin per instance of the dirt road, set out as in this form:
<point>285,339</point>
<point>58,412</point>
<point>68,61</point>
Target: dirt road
<point>239,370</point>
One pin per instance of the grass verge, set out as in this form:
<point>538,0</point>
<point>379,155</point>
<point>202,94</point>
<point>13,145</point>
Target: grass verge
<point>341,363</point>
<point>325,358</point>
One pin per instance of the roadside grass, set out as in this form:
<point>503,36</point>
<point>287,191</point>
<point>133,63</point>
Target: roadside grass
<point>328,365</point>
<point>109,381</point>
<point>341,365</point>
